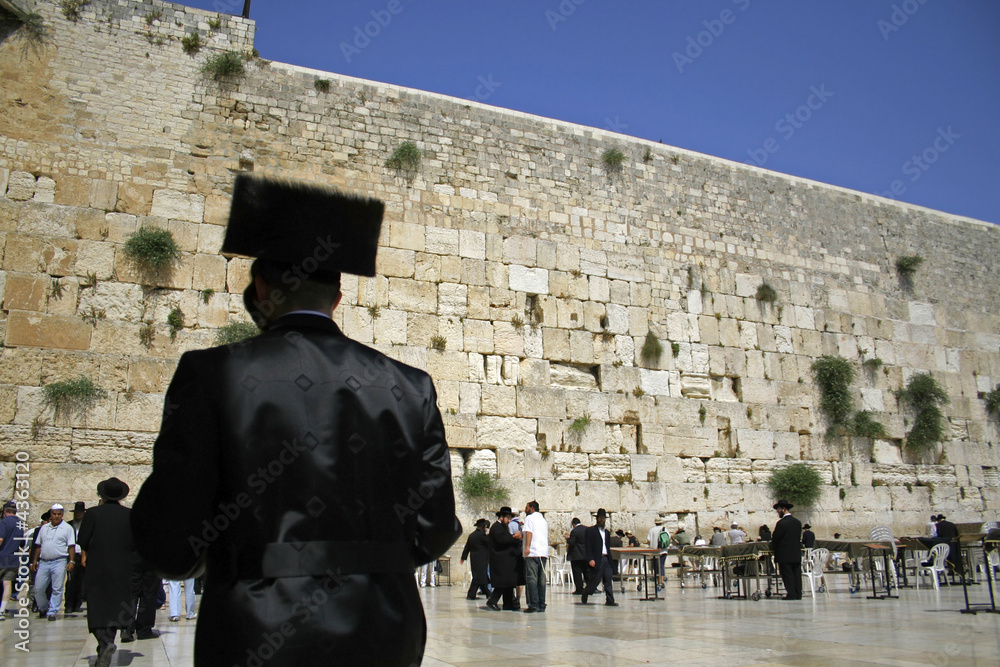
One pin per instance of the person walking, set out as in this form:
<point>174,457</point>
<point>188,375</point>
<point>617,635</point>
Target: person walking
<point>786,541</point>
<point>536,555</point>
<point>477,549</point>
<point>599,559</point>
<point>108,552</point>
<point>576,554</point>
<point>308,474</point>
<point>11,540</point>
<point>52,559</point>
<point>74,582</point>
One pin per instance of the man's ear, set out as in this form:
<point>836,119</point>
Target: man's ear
<point>261,288</point>
<point>336,302</point>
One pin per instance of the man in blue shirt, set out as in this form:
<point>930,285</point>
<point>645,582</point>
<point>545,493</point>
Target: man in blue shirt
<point>11,537</point>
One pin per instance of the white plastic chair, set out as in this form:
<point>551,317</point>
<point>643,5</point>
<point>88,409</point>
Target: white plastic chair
<point>939,556</point>
<point>817,563</point>
<point>557,570</point>
<point>884,534</point>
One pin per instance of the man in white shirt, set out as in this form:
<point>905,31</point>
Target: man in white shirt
<point>53,557</point>
<point>536,553</point>
<point>736,536</point>
<point>659,565</point>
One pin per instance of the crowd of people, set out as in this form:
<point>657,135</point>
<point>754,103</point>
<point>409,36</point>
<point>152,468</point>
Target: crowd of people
<point>88,560</point>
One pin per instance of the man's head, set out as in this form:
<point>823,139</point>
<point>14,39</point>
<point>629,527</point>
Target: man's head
<point>56,514</point>
<point>806,527</point>
<point>940,517</point>
<point>783,507</point>
<point>482,524</point>
<point>281,288</point>
<point>9,509</point>
<point>78,510</point>
<point>531,507</point>
<point>575,522</point>
<point>601,517</point>
<point>933,517</point>
<point>733,527</point>
<point>716,529</point>
<point>504,515</point>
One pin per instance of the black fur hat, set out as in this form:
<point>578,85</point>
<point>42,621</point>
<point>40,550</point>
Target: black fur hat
<point>318,230</point>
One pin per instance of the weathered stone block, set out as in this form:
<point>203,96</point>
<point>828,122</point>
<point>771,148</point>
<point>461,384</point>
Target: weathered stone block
<point>134,198</point>
<point>531,281</point>
<point>37,330</point>
<point>505,432</point>
<point>178,205</point>
<point>20,186</point>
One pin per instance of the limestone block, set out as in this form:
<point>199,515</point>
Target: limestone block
<point>460,430</point>
<point>520,250</point>
<point>581,347</point>
<point>871,399</point>
<point>783,340</point>
<point>95,257</point>
<point>175,205</point>
<point>564,375</point>
<point>406,235</point>
<point>26,292</point>
<point>499,400</point>
<point>134,198</point>
<point>693,471</point>
<point>695,385</point>
<point>484,460</point>
<point>413,295</point>
<point>531,281</point>
<point>922,313</point>
<point>395,263</point>
<point>747,284</point>
<point>471,244</point>
<point>441,241</point>
<point>567,466</point>
<point>510,463</point>
<point>215,313</point>
<point>644,467</point>
<point>208,272</point>
<point>677,327</point>
<point>448,365</point>
<point>759,391</point>
<point>541,402</point>
<point>48,220</point>
<point>729,333</point>
<point>910,499</point>
<point>709,329</point>
<point>786,445</point>
<point>26,329</point>
<point>177,276</point>
<point>729,471</point>
<point>535,372</point>
<point>867,499</point>
<point>210,239</point>
<point>505,432</point>
<point>804,317</point>
<point>694,302</point>
<point>141,413</point>
<point>452,299</point>
<point>103,195</point>
<point>593,262</point>
<point>599,289</point>
<point>657,383</point>
<point>690,441</point>
<point>4,179</point>
<point>938,475</point>
<point>592,404</point>
<point>625,350</point>
<point>722,389</point>
<point>478,336</point>
<point>610,467</point>
<point>20,186</point>
<point>118,301</point>
<point>457,463</point>
<point>755,444</point>
<point>507,339</point>
<point>555,343</point>
<point>45,190</point>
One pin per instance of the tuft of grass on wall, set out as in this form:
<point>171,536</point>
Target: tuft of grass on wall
<point>799,483</point>
<point>191,43</point>
<point>75,395</point>
<point>613,160</point>
<point>651,349</point>
<point>865,426</point>
<point>405,158</point>
<point>234,332</point>
<point>152,249</point>
<point>72,9</point>
<point>834,376</point>
<point>924,395</point>
<point>908,264</point>
<point>766,293</point>
<point>322,85</point>
<point>224,64</point>
<point>175,320</point>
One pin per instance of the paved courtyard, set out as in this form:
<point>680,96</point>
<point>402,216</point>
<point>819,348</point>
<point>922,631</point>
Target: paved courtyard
<point>691,627</point>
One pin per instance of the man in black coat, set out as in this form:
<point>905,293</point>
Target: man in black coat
<point>106,542</point>
<point>808,537</point>
<point>947,533</point>
<point>478,548</point>
<point>598,542</point>
<point>786,541</point>
<point>505,558</point>
<point>576,554</point>
<point>308,474</point>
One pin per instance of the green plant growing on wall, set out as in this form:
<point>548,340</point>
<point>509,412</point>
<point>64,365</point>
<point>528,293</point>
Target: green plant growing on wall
<point>152,249</point>
<point>71,9</point>
<point>56,290</point>
<point>908,264</point>
<point>405,158</point>
<point>675,349</point>
<point>374,312</point>
<point>147,334</point>
<point>865,426</point>
<point>234,332</point>
<point>207,294</point>
<point>34,28</point>
<point>226,63</point>
<point>993,402</point>
<point>175,320</point>
<point>872,365</point>
<point>482,489</point>
<point>215,23</point>
<point>638,392</point>
<point>798,483</point>
<point>613,160</point>
<point>92,315</point>
<point>578,427</point>
<point>651,349</point>
<point>322,85</point>
<point>191,43</point>
<point>834,376</point>
<point>438,342</point>
<point>76,395</point>
<point>517,321</point>
<point>702,413</point>
<point>766,293</point>
<point>647,156</point>
<point>924,396</point>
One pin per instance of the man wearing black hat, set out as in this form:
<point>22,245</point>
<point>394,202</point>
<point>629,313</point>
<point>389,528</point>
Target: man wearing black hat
<point>308,474</point>
<point>599,559</point>
<point>74,582</point>
<point>505,558</point>
<point>106,541</point>
<point>576,554</point>
<point>477,548</point>
<point>808,537</point>
<point>786,541</point>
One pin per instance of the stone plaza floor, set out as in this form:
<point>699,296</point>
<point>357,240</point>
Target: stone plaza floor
<point>690,627</point>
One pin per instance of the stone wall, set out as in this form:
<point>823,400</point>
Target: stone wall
<point>536,268</point>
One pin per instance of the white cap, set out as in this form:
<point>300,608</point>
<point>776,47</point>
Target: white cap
<point>733,526</point>
<point>56,506</point>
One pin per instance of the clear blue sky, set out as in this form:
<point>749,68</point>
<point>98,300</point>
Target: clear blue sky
<point>872,95</point>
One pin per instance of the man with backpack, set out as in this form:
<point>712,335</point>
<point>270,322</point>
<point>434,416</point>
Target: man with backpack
<point>659,538</point>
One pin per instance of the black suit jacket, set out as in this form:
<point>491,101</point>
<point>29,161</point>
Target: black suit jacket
<point>478,546</point>
<point>577,548</point>
<point>595,545</point>
<point>786,540</point>
<point>300,463</point>
<point>808,539</point>
<point>946,530</point>
<point>505,556</point>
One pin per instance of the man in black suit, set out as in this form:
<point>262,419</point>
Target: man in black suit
<point>598,543</point>
<point>947,533</point>
<point>307,473</point>
<point>576,554</point>
<point>477,547</point>
<point>786,540</point>
<point>505,559</point>
<point>808,537</point>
